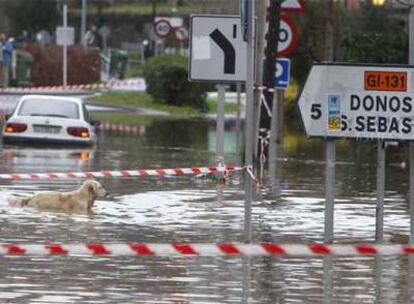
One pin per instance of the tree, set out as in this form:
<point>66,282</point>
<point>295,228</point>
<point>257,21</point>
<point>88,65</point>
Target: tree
<point>33,15</point>
<point>376,35</point>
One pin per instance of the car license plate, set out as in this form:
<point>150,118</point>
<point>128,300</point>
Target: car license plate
<point>46,129</point>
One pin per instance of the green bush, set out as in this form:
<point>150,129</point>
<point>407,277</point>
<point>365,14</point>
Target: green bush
<point>166,77</point>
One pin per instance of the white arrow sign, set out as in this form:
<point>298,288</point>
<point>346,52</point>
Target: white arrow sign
<point>217,49</point>
<point>371,102</point>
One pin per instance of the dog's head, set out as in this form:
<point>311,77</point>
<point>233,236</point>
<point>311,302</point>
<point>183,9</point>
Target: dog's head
<point>94,188</point>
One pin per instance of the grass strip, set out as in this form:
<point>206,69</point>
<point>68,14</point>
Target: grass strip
<point>144,100</point>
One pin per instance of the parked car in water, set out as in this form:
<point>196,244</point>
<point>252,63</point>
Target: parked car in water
<point>46,119</point>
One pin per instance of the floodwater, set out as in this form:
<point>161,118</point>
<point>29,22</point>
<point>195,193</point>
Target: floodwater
<point>188,209</point>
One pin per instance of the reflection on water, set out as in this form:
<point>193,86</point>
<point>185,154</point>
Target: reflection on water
<point>186,209</point>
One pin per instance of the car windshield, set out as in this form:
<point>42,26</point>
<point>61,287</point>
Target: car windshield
<point>50,108</point>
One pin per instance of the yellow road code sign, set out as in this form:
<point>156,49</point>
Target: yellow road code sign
<point>385,81</point>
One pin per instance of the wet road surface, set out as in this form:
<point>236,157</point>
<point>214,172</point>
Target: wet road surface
<point>187,209</point>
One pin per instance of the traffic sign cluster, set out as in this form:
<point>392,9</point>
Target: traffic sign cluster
<point>218,45</point>
<point>288,40</point>
<point>163,29</point>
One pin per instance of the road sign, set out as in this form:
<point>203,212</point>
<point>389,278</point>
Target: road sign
<point>288,36</point>
<point>162,28</point>
<point>181,33</point>
<point>173,21</point>
<point>371,102</point>
<point>282,73</point>
<point>65,35</point>
<point>217,49</point>
<point>294,6</point>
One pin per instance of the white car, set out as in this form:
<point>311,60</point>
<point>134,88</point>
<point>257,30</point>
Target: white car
<point>49,119</point>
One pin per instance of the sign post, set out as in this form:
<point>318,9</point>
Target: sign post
<point>221,89</point>
<point>83,24</point>
<point>250,130</point>
<point>65,46</point>
<point>218,53</point>
<point>411,145</point>
<point>287,40</point>
<point>411,157</point>
<point>269,122</point>
<point>379,222</point>
<point>65,36</point>
<point>365,102</point>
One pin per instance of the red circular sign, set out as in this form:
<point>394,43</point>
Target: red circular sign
<point>288,36</point>
<point>162,28</point>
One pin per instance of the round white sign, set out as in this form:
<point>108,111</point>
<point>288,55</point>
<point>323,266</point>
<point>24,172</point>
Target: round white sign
<point>288,36</point>
<point>162,28</point>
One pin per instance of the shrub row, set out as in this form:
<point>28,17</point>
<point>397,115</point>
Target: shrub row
<point>83,66</point>
<point>166,77</point>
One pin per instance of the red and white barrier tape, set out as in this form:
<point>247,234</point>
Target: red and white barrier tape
<point>122,173</point>
<point>263,88</point>
<point>122,128</point>
<point>197,249</point>
<point>77,87</point>
<point>263,102</point>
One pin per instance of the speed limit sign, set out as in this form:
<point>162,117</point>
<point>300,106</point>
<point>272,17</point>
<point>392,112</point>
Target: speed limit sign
<point>288,36</point>
<point>162,28</point>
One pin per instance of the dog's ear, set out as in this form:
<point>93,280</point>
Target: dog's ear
<point>92,188</point>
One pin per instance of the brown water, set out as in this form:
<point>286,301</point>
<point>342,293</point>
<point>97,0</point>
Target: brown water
<point>188,209</point>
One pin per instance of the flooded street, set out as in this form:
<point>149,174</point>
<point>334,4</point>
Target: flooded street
<point>189,209</point>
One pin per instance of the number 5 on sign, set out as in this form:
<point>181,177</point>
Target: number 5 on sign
<point>316,111</point>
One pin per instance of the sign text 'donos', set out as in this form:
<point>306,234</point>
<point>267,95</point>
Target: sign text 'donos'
<point>371,102</point>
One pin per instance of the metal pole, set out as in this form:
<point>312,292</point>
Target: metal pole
<point>411,160</point>
<point>249,123</point>
<point>269,73</point>
<point>273,142</point>
<point>83,24</point>
<point>411,145</point>
<point>261,12</point>
<point>379,222</point>
<point>330,143</point>
<point>238,123</point>
<point>221,88</point>
<point>329,190</point>
<point>65,44</point>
